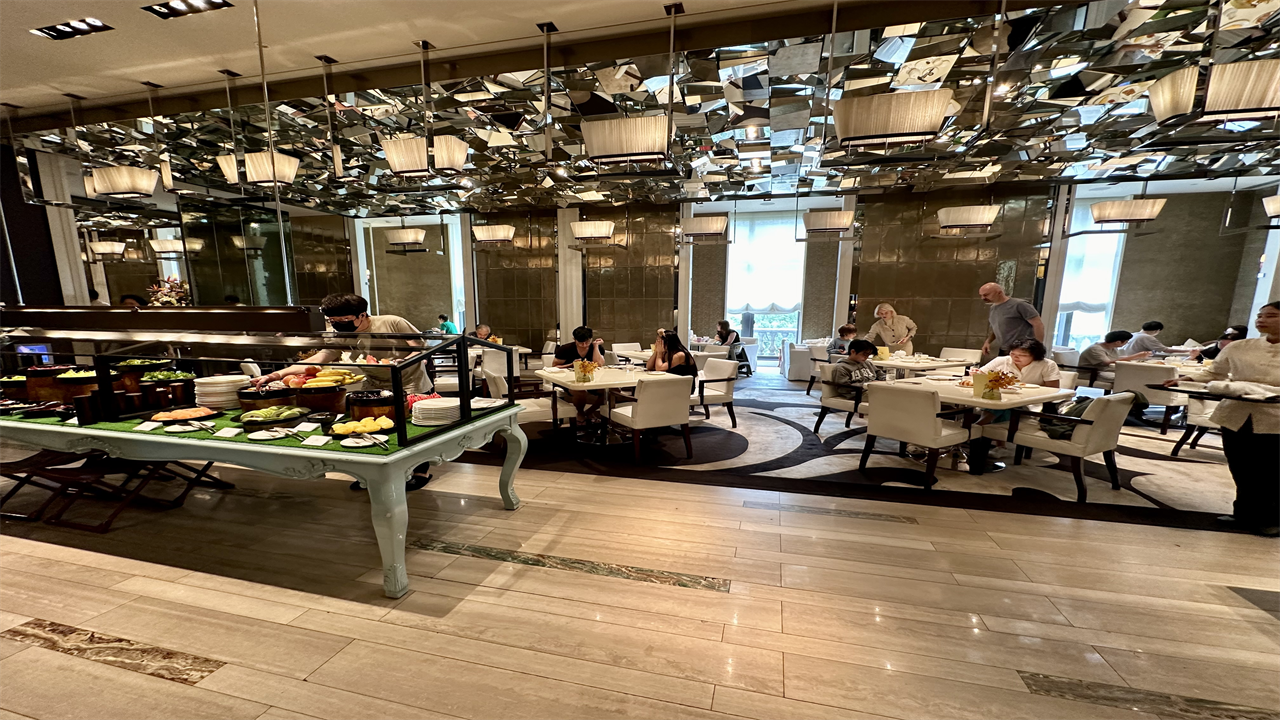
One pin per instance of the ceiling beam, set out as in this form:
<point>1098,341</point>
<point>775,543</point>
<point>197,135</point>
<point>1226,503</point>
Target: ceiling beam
<point>854,15</point>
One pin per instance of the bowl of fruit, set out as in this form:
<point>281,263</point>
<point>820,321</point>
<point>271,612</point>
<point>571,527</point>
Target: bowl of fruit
<point>367,426</point>
<point>273,417</point>
<point>326,390</point>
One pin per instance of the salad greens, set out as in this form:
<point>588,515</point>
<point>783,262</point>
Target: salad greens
<point>167,375</point>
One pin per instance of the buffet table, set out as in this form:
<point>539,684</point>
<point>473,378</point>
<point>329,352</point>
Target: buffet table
<point>383,472</point>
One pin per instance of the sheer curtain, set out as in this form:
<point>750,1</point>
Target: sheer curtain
<point>766,264</point>
<point>1089,280</point>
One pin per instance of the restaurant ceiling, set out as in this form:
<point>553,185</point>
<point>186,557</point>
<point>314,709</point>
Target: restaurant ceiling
<point>1065,98</point>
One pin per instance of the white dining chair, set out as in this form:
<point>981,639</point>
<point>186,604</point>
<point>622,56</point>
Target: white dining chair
<point>832,402</point>
<point>1097,431</point>
<point>626,347</point>
<point>715,387</point>
<point>1136,376</point>
<point>700,357</point>
<point>818,356</point>
<point>537,406</point>
<point>659,401</point>
<point>610,357</point>
<point>912,415</point>
<point>1198,421</point>
<point>973,357</point>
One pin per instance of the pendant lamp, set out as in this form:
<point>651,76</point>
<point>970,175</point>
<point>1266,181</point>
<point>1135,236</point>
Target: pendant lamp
<point>1271,205</point>
<point>626,140</point>
<point>406,236</point>
<point>1127,211</point>
<point>704,230</point>
<point>251,245</point>
<point>410,157</point>
<point>123,181</point>
<point>450,152</point>
<point>1174,94</point>
<point>828,221</point>
<point>493,234</point>
<point>107,250</point>
<point>1242,90</point>
<point>968,216</point>
<point>175,248</point>
<point>900,117</point>
<point>227,164</point>
<point>601,230</point>
<point>258,168</point>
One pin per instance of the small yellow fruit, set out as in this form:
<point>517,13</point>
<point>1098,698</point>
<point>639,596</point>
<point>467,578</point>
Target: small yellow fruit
<point>386,423</point>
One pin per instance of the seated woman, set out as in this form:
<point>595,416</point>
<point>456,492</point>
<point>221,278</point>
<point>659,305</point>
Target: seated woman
<point>855,370</point>
<point>1027,362</point>
<point>726,335</point>
<point>671,356</point>
<point>839,345</point>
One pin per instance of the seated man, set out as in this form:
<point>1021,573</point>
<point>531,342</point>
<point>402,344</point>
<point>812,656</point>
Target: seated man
<point>1211,351</point>
<point>583,347</point>
<point>1107,353</point>
<point>855,370</point>
<point>1145,341</point>
<point>840,345</point>
<point>482,332</point>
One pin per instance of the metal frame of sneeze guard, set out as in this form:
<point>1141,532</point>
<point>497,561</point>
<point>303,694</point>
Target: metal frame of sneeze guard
<point>209,352</point>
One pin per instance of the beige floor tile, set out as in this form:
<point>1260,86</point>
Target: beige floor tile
<point>869,568</point>
<point>475,691</point>
<point>292,597</point>
<point>559,606</point>
<point>877,657</point>
<point>755,571</point>
<point>668,505</point>
<point>1137,643</point>
<point>771,707</point>
<point>202,597</point>
<point>1251,614</point>
<point>1244,564</point>
<point>650,488</point>
<point>8,619</point>
<point>540,476</point>
<point>423,526</point>
<point>844,602</point>
<point>282,714</point>
<point>309,699</point>
<point>58,600</point>
<point>1121,582</point>
<point>619,539</point>
<point>882,528</point>
<point>924,594</point>
<point>901,695</point>
<point>6,715</point>
<point>1260,637</point>
<point>1125,534</point>
<point>82,574</point>
<point>876,506</point>
<point>92,559</point>
<point>547,519</point>
<point>11,647</point>
<point>625,510</point>
<point>267,646</point>
<point>425,563</point>
<point>905,557</point>
<point>970,645</point>
<point>49,685</point>
<point>811,532</point>
<point>727,608</point>
<point>645,650</point>
<point>1194,678</point>
<point>532,662</point>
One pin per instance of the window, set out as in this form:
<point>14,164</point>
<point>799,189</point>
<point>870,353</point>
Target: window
<point>765,278</point>
<point>1088,281</point>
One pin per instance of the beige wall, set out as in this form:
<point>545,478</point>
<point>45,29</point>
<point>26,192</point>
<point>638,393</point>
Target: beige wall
<point>516,285</point>
<point>631,291</point>
<point>415,286</point>
<point>710,268</point>
<point>821,262</point>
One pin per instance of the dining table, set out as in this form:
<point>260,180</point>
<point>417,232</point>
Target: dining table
<point>912,364</point>
<point>603,380</point>
<point>951,392</point>
<point>520,350</point>
<point>642,356</point>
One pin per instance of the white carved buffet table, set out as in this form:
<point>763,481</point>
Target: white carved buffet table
<point>384,474</point>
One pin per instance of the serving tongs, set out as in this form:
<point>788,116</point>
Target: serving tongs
<point>374,440</point>
<point>200,425</point>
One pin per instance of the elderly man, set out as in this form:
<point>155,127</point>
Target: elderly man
<point>1010,320</point>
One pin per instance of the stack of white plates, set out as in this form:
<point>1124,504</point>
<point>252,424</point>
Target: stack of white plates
<point>442,411</point>
<point>219,392</point>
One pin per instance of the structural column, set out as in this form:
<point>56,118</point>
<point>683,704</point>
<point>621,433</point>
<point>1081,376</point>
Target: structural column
<point>569,289</point>
<point>684,281</point>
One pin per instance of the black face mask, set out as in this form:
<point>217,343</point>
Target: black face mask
<point>343,326</point>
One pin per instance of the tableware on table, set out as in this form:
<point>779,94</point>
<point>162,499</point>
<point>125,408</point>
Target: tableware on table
<point>363,441</point>
<point>177,429</point>
<point>264,435</point>
<point>165,418</point>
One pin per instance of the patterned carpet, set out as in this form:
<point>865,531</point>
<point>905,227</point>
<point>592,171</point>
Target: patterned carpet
<point>774,448</point>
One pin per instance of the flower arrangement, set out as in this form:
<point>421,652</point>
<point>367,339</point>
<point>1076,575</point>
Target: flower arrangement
<point>1001,380</point>
<point>988,385</point>
<point>170,292</point>
<point>584,371</point>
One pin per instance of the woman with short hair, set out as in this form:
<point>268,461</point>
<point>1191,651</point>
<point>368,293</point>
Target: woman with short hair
<point>1027,361</point>
<point>893,330</point>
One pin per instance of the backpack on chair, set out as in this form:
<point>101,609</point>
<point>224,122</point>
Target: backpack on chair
<point>1060,429</point>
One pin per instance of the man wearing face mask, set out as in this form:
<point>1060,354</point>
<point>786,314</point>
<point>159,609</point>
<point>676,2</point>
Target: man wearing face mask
<point>348,313</point>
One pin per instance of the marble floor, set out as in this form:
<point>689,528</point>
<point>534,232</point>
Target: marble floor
<point>606,596</point>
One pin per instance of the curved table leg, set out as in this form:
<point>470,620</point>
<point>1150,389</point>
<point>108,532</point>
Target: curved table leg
<point>390,513</point>
<point>517,444</point>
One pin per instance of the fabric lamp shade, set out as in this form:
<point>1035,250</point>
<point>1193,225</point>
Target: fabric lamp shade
<point>493,233</point>
<point>626,140</point>
<point>123,181</point>
<point>828,221</point>
<point>705,226</point>
<point>166,175</point>
<point>1174,94</point>
<point>450,151</point>
<point>1114,211</point>
<point>251,245</point>
<point>592,230</point>
<point>227,164</point>
<point>90,188</point>
<point>968,216</point>
<point>408,156</point>
<point>1271,205</point>
<point>1243,90</point>
<point>107,249</point>
<point>898,117</point>
<point>257,167</point>
<point>174,248</point>
<point>337,158</point>
<point>406,236</point>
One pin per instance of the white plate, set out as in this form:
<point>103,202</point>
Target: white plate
<point>356,442</point>
<point>265,435</point>
<point>180,429</point>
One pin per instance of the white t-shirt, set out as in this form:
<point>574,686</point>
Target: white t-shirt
<point>1037,373</point>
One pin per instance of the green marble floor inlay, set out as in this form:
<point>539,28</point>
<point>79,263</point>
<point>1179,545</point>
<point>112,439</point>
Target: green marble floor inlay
<point>627,572</point>
<point>128,654</point>
<point>1159,704</point>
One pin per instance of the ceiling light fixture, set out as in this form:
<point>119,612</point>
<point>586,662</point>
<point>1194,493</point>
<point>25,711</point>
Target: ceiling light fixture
<point>273,158</point>
<point>327,64</point>
<point>900,117</point>
<point>176,248</point>
<point>106,250</point>
<point>124,181</point>
<point>72,29</point>
<point>450,152</point>
<point>969,222</point>
<point>1242,90</point>
<point>1127,211</point>
<point>589,230</point>
<point>1272,206</point>
<point>1174,94</point>
<point>182,8</point>
<point>704,230</point>
<point>493,234</point>
<point>251,245</point>
<point>828,225</point>
<point>270,168</point>
<point>410,157</point>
